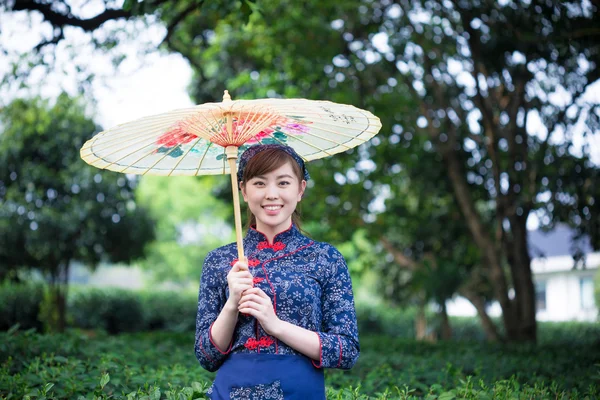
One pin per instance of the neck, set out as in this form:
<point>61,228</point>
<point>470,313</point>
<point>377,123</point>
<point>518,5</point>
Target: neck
<point>271,232</point>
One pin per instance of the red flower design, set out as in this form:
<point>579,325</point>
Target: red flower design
<point>261,135</point>
<point>278,246</point>
<point>175,136</point>
<point>275,246</point>
<point>251,263</point>
<point>265,341</point>
<point>253,344</point>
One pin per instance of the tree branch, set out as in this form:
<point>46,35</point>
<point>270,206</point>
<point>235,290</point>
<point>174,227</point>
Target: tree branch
<point>399,257</point>
<point>60,20</point>
<point>477,229</point>
<point>178,18</point>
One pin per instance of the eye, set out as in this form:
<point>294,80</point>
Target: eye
<point>284,183</point>
<point>258,183</point>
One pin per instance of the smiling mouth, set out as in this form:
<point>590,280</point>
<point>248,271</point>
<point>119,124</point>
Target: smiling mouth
<point>272,208</point>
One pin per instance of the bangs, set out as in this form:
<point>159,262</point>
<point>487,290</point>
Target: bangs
<point>269,160</point>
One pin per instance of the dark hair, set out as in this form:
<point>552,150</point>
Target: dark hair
<point>267,161</point>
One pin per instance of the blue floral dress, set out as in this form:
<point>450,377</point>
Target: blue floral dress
<point>310,286</point>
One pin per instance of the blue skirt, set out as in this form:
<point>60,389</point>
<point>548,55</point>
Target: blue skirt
<point>268,377</point>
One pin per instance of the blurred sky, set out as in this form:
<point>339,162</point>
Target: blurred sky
<point>143,84</point>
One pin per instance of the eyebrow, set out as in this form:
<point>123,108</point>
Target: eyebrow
<point>278,177</point>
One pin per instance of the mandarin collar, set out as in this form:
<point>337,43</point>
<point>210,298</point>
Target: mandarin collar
<point>256,240</point>
<point>254,235</point>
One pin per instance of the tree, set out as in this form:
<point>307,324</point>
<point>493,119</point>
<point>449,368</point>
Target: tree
<point>55,22</point>
<point>470,78</point>
<point>190,223</point>
<point>494,91</point>
<point>54,207</point>
<point>597,289</point>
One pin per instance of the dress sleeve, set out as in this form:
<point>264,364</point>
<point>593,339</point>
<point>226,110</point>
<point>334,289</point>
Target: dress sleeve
<point>339,331</point>
<point>211,300</point>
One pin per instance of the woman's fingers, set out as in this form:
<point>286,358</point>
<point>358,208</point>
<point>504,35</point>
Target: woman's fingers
<point>251,298</point>
<point>255,295</point>
<point>241,274</point>
<point>262,294</point>
<point>243,281</point>
<point>241,266</point>
<point>249,311</point>
<point>253,291</point>
<point>250,304</point>
<point>256,291</point>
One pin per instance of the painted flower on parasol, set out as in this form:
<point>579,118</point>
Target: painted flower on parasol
<point>207,139</point>
<point>172,141</point>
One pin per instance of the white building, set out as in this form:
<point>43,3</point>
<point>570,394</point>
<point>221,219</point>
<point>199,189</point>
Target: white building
<point>563,293</point>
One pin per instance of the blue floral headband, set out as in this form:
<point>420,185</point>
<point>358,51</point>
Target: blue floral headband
<point>254,150</point>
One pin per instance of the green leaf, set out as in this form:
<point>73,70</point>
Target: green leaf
<point>13,329</point>
<point>447,396</point>
<point>104,380</point>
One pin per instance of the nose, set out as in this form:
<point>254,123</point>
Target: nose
<point>272,192</point>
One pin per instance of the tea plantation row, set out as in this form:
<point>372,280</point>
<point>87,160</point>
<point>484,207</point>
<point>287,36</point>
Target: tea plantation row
<point>157,365</point>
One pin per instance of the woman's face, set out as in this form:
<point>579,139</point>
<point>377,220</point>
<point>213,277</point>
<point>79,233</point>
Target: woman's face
<point>273,197</point>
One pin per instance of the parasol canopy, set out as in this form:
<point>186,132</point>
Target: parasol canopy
<point>206,139</point>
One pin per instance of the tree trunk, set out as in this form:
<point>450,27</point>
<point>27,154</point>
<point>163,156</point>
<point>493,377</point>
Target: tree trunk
<point>59,280</point>
<point>62,297</point>
<point>520,265</point>
<point>421,331</point>
<point>489,328</point>
<point>519,322</point>
<point>446,329</point>
<point>420,322</point>
<point>60,304</point>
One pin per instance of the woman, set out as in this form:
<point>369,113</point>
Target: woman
<point>269,325</point>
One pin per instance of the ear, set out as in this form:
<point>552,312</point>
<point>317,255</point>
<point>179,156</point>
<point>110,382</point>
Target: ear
<point>243,190</point>
<point>302,189</point>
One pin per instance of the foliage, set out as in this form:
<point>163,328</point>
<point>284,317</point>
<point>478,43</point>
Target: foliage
<point>108,310</point>
<point>190,223</point>
<point>111,310</point>
<point>457,95</point>
<point>112,29</point>
<point>54,207</point>
<point>169,311</point>
<point>75,363</point>
<point>20,304</point>
<point>457,85</point>
<point>597,290</point>
<point>163,365</point>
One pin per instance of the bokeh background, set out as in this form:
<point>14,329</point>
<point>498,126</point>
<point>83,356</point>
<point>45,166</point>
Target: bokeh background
<point>470,224</point>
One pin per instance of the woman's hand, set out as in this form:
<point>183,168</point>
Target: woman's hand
<point>258,304</point>
<point>239,279</point>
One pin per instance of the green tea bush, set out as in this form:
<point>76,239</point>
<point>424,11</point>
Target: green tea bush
<point>20,304</point>
<point>469,328</point>
<point>169,310</point>
<point>74,363</point>
<point>395,322</point>
<point>568,333</point>
<point>162,365</point>
<point>112,310</point>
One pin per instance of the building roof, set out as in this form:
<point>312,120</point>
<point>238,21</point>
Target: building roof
<point>557,242</point>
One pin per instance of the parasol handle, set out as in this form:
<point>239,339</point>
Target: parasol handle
<point>232,152</point>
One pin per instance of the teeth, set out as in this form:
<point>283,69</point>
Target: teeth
<point>272,208</point>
